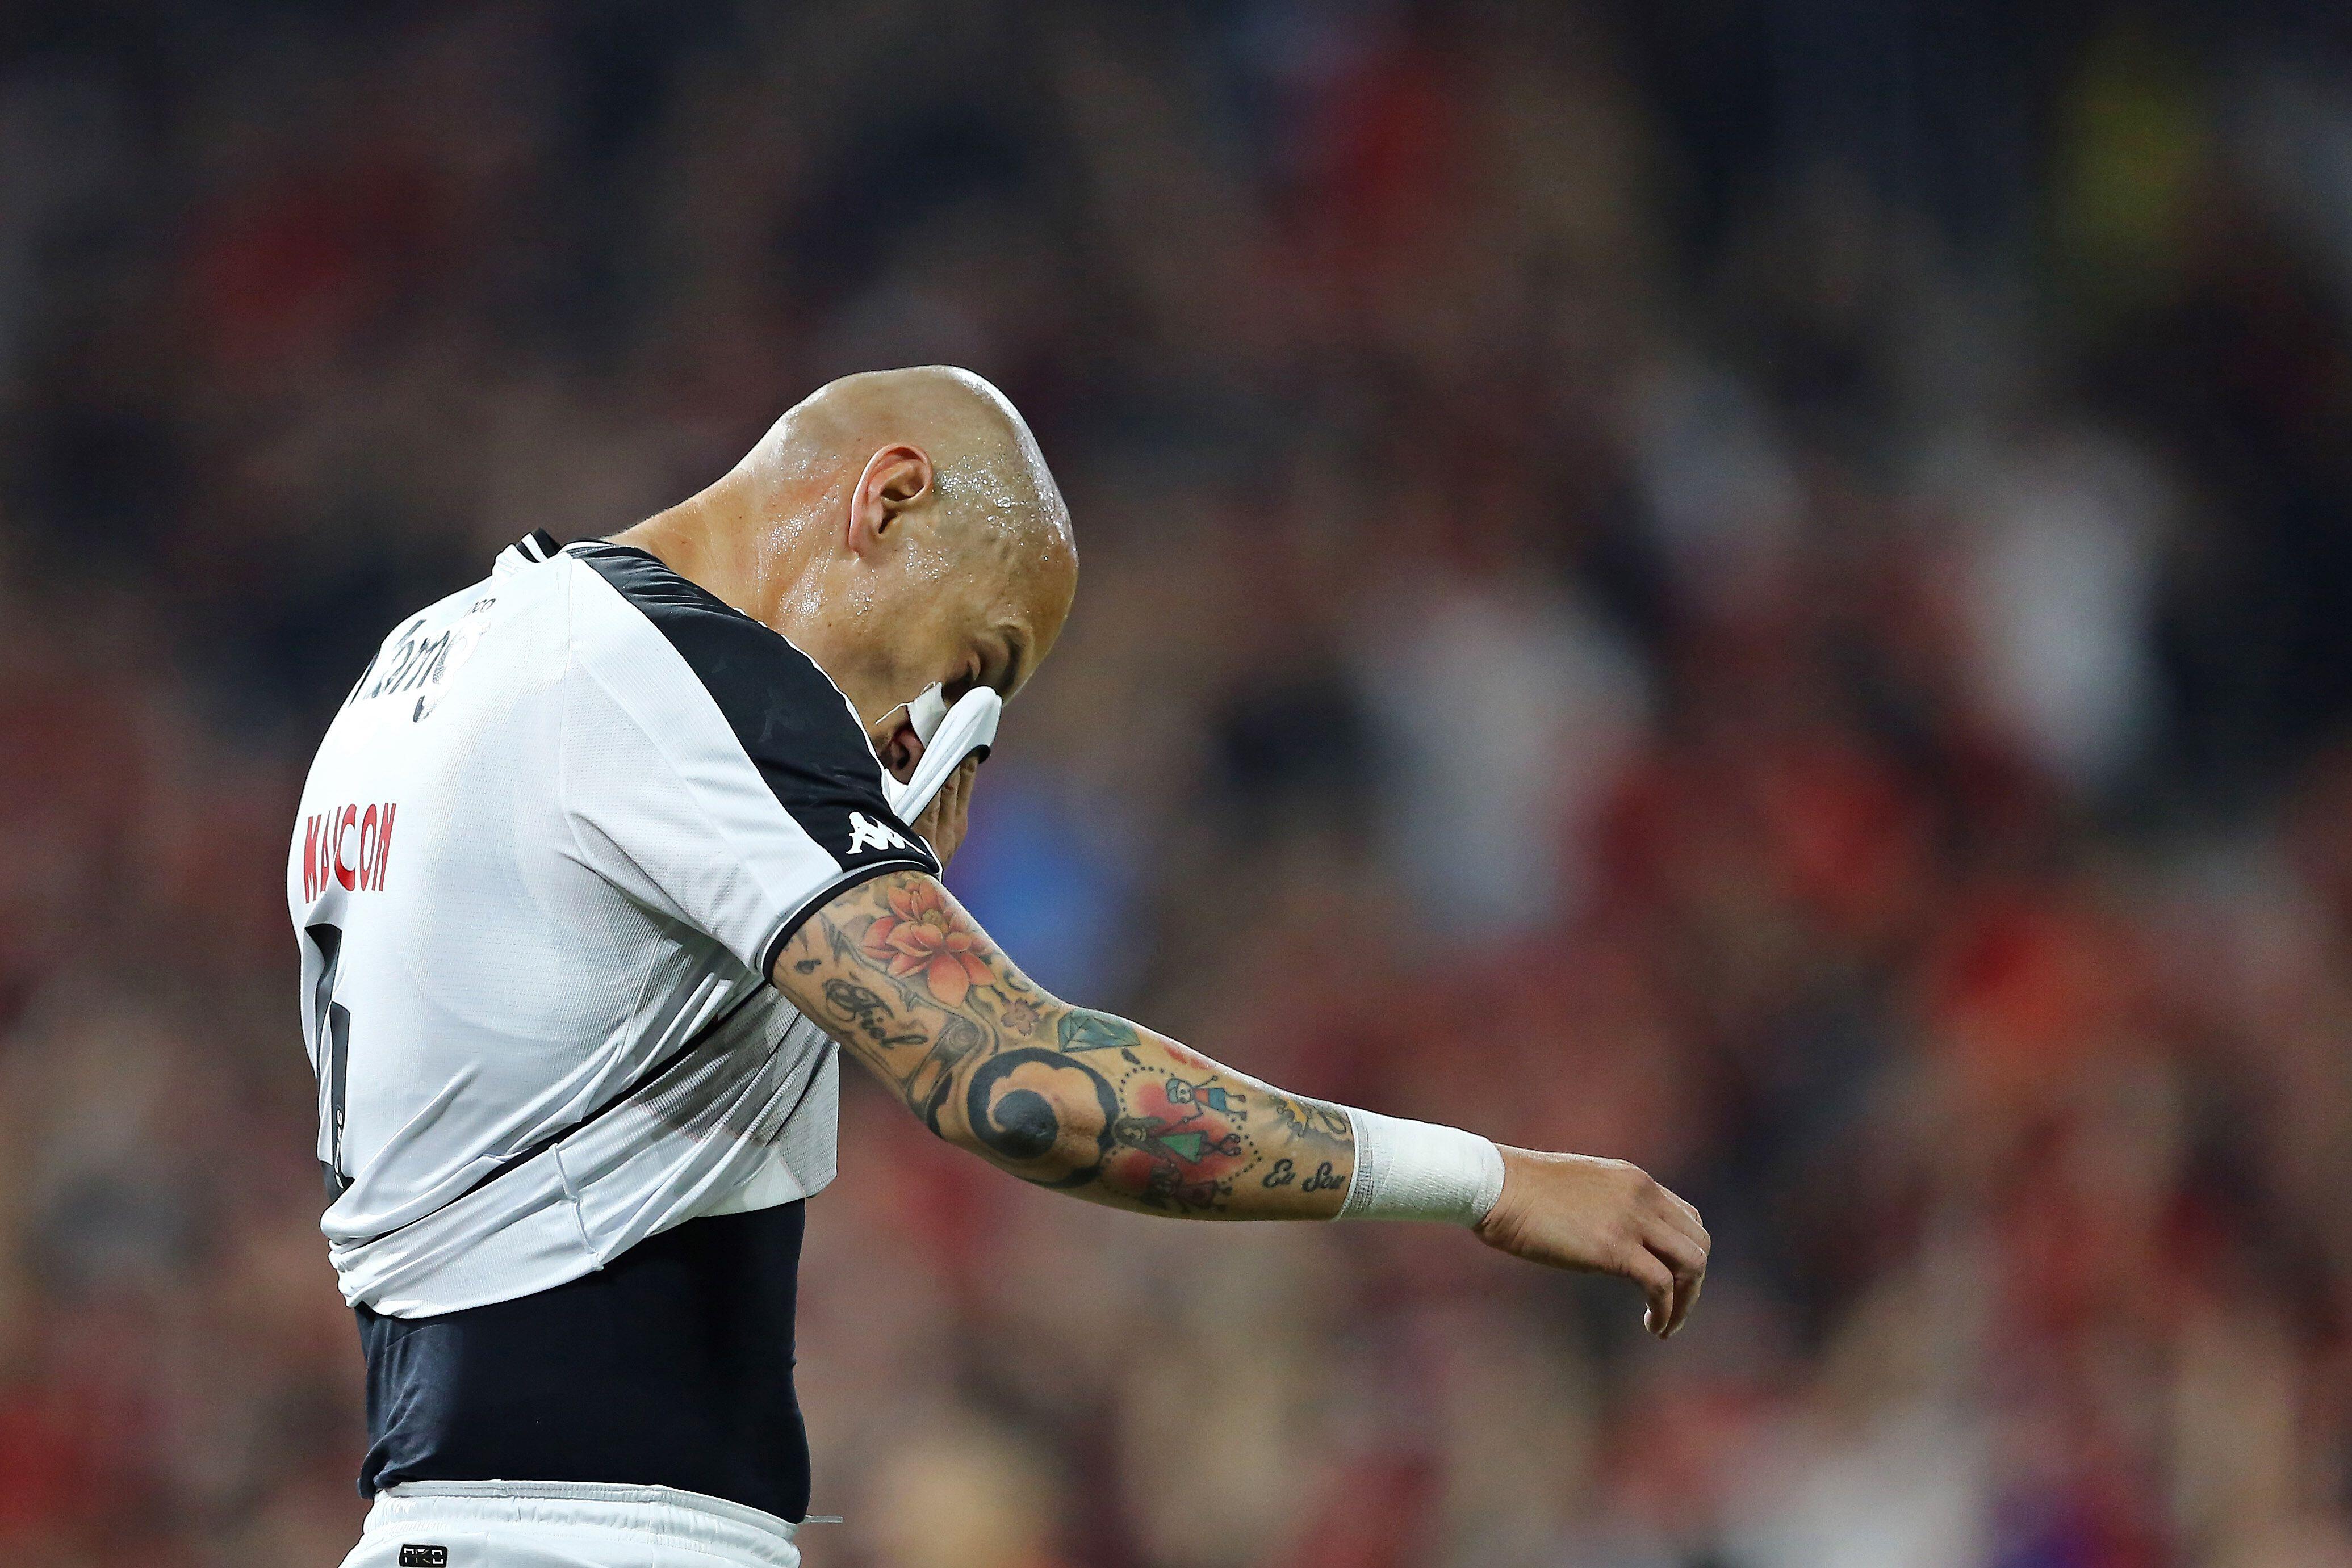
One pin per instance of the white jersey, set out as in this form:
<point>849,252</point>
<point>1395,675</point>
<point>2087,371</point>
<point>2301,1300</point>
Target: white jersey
<point>546,857</point>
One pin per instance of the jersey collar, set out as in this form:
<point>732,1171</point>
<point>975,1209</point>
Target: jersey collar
<point>531,549</point>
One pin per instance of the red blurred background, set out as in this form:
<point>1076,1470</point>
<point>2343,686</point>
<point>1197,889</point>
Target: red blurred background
<point>1765,588</point>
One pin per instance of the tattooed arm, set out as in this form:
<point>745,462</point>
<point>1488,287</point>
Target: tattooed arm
<point>1065,1097</point>
<point>1095,1106</point>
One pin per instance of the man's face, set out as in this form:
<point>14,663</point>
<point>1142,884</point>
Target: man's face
<point>986,623</point>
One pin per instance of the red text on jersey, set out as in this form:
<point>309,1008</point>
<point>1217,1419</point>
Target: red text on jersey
<point>349,845</point>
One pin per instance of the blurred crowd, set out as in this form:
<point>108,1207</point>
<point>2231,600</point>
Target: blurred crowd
<point>1762,589</point>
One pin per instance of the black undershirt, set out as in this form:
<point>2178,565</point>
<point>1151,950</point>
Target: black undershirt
<point>672,1366</point>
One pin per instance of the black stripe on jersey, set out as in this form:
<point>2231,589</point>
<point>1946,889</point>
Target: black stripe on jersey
<point>790,719</point>
<point>671,1364</point>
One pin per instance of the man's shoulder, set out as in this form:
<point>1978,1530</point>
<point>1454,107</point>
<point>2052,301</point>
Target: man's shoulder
<point>774,697</point>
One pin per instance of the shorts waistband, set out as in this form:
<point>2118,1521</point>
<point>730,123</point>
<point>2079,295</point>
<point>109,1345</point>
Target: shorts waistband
<point>685,1518</point>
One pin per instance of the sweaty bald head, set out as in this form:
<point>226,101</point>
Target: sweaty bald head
<point>900,528</point>
<point>995,494</point>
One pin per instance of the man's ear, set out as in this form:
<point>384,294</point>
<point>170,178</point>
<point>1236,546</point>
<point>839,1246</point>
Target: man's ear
<point>897,479</point>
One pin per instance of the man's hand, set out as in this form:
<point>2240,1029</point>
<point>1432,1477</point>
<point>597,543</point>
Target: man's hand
<point>949,816</point>
<point>1603,1216</point>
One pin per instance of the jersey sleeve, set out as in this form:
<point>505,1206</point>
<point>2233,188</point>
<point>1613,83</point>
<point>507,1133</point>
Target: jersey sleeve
<point>710,768</point>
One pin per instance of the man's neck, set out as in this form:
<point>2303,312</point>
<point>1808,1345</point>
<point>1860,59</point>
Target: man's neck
<point>717,542</point>
<point>712,542</point>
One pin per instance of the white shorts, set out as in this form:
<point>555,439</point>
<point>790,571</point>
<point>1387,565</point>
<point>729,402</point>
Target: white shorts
<point>561,1524</point>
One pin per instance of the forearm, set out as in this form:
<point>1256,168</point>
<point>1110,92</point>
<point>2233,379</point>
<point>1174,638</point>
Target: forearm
<point>1065,1097</point>
<point>1095,1106</point>
<point>1115,1113</point>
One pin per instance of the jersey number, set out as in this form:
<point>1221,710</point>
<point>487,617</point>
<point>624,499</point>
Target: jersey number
<point>331,1027</point>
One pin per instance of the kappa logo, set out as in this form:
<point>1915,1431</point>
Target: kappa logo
<point>424,1557</point>
<point>866,833</point>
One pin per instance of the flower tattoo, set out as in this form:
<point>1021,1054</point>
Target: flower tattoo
<point>922,937</point>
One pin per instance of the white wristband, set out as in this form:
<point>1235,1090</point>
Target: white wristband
<point>1418,1170</point>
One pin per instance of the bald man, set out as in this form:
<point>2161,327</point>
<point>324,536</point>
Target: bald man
<point>596,876</point>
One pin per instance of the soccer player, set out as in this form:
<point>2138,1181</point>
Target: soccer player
<point>596,877</point>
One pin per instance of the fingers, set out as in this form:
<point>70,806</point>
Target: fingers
<point>1671,1272</point>
<point>1684,1218</point>
<point>1686,1260</point>
<point>1685,1300</point>
<point>1675,1239</point>
<point>959,795</point>
<point>948,804</point>
<point>943,823</point>
<point>1686,1209</point>
<point>1647,1269</point>
<point>1680,1218</point>
<point>952,796</point>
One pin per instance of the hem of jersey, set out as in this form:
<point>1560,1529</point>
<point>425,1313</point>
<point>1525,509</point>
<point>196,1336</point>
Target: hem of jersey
<point>788,927</point>
<point>589,1263</point>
